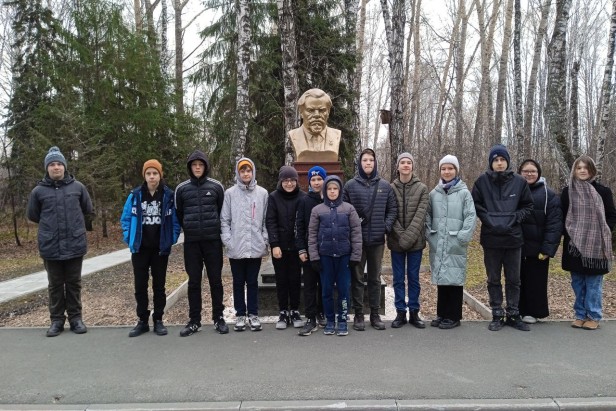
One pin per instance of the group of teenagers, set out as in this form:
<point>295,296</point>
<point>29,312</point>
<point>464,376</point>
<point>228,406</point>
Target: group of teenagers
<point>335,234</point>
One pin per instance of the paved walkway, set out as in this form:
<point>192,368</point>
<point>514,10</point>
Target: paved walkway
<point>552,367</point>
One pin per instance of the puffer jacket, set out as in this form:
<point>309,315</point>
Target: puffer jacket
<point>281,213</point>
<point>543,227</point>
<point>132,221</point>
<point>302,221</point>
<point>198,202</point>
<point>502,201</point>
<point>63,211</point>
<point>408,232</point>
<point>242,219</point>
<point>450,224</point>
<point>334,230</point>
<point>358,192</point>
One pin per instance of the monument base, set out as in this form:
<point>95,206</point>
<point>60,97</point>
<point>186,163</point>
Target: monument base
<point>331,167</point>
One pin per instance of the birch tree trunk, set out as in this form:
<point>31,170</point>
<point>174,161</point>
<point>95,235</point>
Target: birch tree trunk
<point>574,107</point>
<point>164,41</point>
<point>502,70</point>
<point>178,6</point>
<point>460,71</point>
<point>606,92</point>
<point>138,16</point>
<point>556,105</point>
<point>414,92</point>
<point>361,30</point>
<point>354,77</point>
<point>394,29</point>
<point>289,73</point>
<point>243,67</point>
<point>532,77</point>
<point>517,69</point>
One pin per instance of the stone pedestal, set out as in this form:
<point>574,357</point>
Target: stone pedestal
<point>332,168</point>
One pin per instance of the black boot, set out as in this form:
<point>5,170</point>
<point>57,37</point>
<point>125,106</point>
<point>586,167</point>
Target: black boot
<point>415,319</point>
<point>56,328</point>
<point>358,322</point>
<point>400,320</point>
<point>78,327</point>
<point>140,328</point>
<point>375,321</point>
<point>497,323</point>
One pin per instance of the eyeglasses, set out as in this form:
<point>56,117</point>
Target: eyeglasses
<point>529,171</point>
<point>289,181</point>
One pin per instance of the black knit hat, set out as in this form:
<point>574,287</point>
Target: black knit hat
<point>496,151</point>
<point>287,172</point>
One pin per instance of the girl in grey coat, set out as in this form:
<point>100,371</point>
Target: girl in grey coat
<point>449,228</point>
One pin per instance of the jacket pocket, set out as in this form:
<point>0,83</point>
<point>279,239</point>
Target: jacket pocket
<point>501,222</point>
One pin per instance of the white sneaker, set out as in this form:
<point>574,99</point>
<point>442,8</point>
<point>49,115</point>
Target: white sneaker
<point>528,319</point>
<point>240,323</point>
<point>283,320</point>
<point>254,322</point>
<point>296,319</point>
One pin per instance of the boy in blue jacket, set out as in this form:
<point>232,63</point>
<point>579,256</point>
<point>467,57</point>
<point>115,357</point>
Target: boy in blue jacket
<point>150,228</point>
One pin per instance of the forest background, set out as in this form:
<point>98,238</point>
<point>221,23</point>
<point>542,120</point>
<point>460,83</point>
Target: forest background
<point>116,82</point>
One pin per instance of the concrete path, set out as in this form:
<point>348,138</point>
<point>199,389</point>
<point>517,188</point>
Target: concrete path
<point>551,367</point>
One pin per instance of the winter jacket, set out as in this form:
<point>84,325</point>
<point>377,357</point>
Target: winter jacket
<point>132,221</point>
<point>379,220</point>
<point>198,202</point>
<point>543,227</point>
<point>242,219</point>
<point>334,230</point>
<point>63,210</point>
<point>281,212</point>
<point>302,221</point>
<point>450,224</point>
<point>502,201</point>
<point>574,263</point>
<point>408,232</point>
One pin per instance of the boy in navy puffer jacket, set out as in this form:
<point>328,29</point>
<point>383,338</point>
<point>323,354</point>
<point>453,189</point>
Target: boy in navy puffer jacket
<point>334,244</point>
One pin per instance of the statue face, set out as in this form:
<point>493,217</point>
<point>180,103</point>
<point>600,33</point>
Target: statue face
<point>315,114</point>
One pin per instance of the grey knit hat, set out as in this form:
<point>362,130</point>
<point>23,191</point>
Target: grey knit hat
<point>405,155</point>
<point>287,172</point>
<point>54,154</point>
<point>450,159</point>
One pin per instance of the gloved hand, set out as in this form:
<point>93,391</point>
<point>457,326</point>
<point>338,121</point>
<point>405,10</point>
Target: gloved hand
<point>354,264</point>
<point>316,265</point>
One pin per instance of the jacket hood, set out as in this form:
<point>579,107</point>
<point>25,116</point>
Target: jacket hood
<point>49,182</point>
<point>198,155</point>
<point>338,200</point>
<point>238,180</point>
<point>361,172</point>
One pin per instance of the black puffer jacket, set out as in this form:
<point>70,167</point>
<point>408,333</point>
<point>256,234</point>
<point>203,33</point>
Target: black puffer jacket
<point>280,219</point>
<point>63,210</point>
<point>304,208</point>
<point>198,202</point>
<point>358,192</point>
<point>502,201</point>
<point>543,227</point>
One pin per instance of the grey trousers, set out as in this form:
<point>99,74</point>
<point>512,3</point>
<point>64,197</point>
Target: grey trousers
<point>497,260</point>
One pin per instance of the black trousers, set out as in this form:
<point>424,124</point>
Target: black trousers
<point>196,255</point>
<point>312,291</point>
<point>64,288</point>
<point>146,260</point>
<point>449,302</point>
<point>534,287</point>
<point>288,280</point>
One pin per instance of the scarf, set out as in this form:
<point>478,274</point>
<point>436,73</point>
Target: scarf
<point>448,184</point>
<point>591,238</point>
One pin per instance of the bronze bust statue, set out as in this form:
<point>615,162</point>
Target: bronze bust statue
<point>314,141</point>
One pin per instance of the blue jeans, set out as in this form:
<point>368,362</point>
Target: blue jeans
<point>413,263</point>
<point>245,271</point>
<point>335,270</point>
<point>588,291</point>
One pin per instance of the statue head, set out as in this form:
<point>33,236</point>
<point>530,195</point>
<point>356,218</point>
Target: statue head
<point>314,106</point>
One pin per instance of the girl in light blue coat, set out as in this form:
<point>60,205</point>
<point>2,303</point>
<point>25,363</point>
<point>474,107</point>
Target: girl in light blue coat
<point>450,224</point>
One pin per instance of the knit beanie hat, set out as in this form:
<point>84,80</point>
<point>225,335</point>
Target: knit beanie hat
<point>498,150</point>
<point>533,162</point>
<point>155,164</point>
<point>287,172</point>
<point>405,155</point>
<point>316,171</point>
<point>243,163</point>
<point>450,159</point>
<point>54,154</point>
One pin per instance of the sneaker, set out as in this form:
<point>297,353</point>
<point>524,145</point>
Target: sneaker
<point>190,329</point>
<point>330,328</point>
<point>283,320</point>
<point>240,323</point>
<point>296,318</point>
<point>497,323</point>
<point>309,327</point>
<point>159,327</point>
<point>591,325</point>
<point>254,322</point>
<point>447,324</point>
<point>342,329</point>
<point>436,322</point>
<point>516,322</point>
<point>55,329</point>
<point>578,323</point>
<point>321,320</point>
<point>529,319</point>
<point>358,322</point>
<point>78,327</point>
<point>221,326</point>
<point>375,322</point>
<point>400,320</point>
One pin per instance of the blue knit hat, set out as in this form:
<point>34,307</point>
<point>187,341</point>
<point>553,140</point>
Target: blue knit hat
<point>499,150</point>
<point>316,171</point>
<point>54,154</point>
